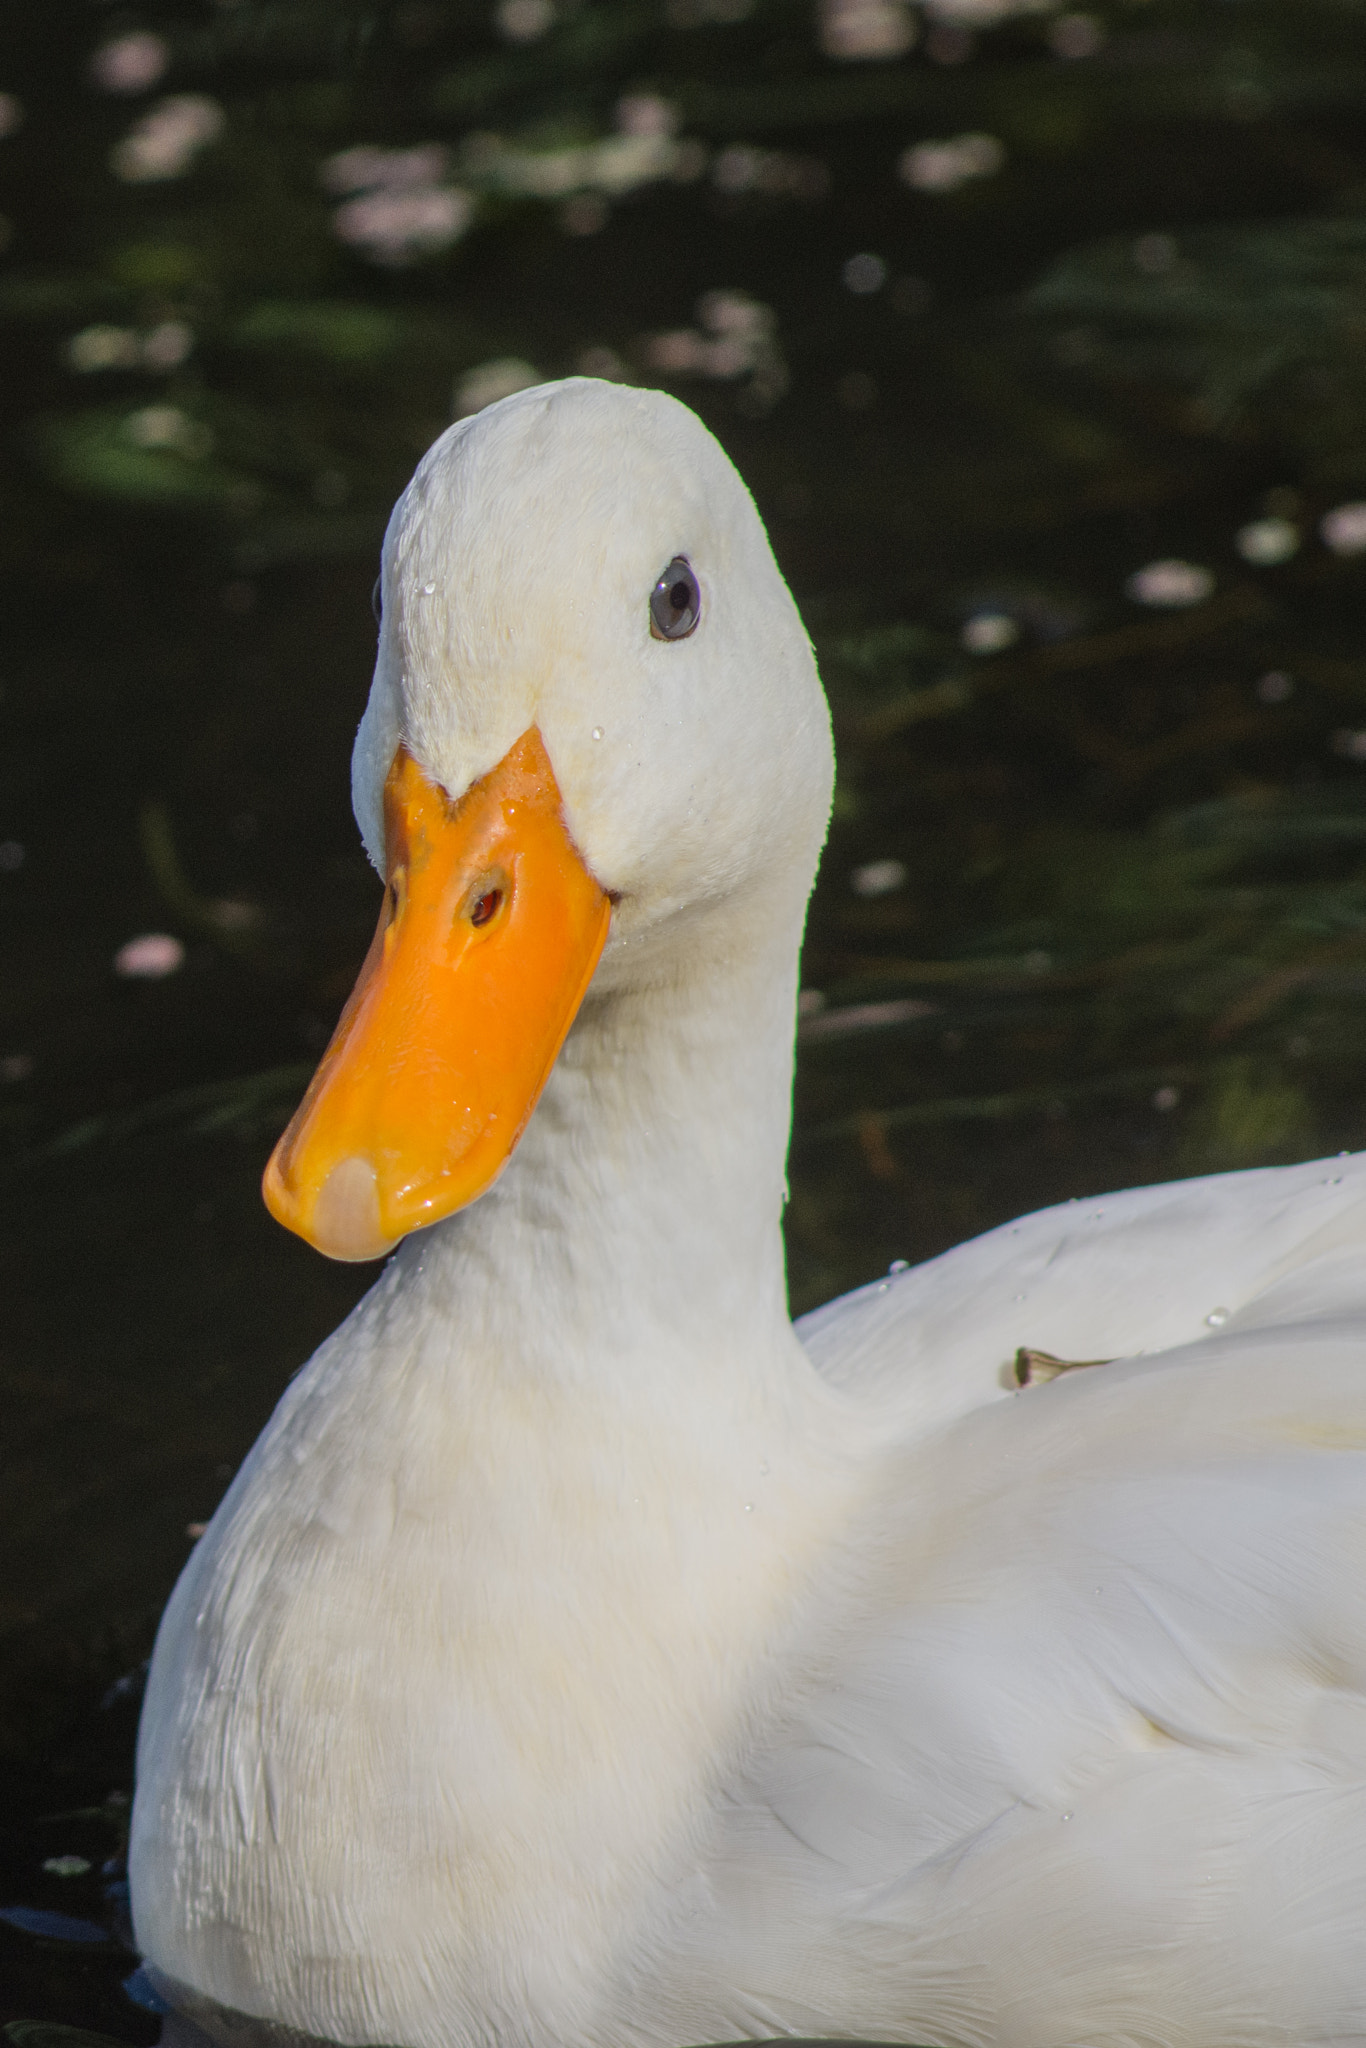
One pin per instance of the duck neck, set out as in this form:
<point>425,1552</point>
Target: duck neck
<point>639,1221</point>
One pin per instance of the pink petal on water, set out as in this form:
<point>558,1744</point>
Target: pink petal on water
<point>149,957</point>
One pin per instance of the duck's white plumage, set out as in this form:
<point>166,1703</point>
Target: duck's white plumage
<point>584,1657</point>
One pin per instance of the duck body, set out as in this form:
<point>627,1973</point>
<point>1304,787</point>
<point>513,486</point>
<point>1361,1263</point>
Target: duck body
<point>585,1656</point>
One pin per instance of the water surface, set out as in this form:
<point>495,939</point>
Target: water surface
<point>1038,343</point>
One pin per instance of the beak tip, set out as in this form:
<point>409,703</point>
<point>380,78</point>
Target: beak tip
<point>346,1222</point>
<point>345,1219</point>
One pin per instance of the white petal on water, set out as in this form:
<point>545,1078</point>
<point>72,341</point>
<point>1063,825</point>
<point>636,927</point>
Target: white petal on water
<point>523,21</point>
<point>396,227</point>
<point>1170,584</point>
<point>944,166</point>
<point>149,957</point>
<point>981,14</point>
<point>646,113</point>
<point>1344,529</point>
<point>488,382</point>
<point>367,168</point>
<point>878,877</point>
<point>165,346</point>
<point>989,632</point>
<point>853,1018</point>
<point>1265,542</point>
<point>166,141</point>
<point>864,31</point>
<point>130,63</point>
<point>166,426</point>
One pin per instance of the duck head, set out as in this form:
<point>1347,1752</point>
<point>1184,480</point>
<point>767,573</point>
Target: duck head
<point>595,735</point>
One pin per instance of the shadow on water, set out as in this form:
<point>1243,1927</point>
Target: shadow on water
<point>1038,342</point>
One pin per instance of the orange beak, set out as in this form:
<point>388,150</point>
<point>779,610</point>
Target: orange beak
<point>487,941</point>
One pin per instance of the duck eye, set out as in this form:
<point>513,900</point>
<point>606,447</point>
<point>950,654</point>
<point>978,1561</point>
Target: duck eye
<point>675,602</point>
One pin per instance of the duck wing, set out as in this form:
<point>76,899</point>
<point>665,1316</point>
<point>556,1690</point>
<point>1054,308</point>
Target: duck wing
<point>1078,1753</point>
<point>1117,1276</point>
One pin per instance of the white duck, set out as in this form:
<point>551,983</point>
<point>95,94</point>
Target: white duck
<point>584,1656</point>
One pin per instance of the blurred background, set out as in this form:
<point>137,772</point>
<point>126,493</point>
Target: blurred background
<point>1040,336</point>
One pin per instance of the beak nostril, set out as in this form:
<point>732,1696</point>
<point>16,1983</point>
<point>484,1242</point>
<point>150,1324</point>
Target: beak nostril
<point>486,906</point>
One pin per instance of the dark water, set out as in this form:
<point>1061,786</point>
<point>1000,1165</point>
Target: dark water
<point>1094,907</point>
